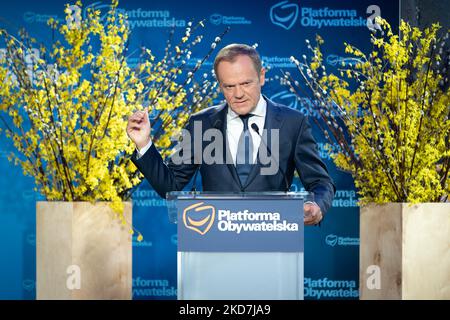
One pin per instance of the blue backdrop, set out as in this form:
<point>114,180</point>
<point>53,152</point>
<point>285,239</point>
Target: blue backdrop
<point>280,29</point>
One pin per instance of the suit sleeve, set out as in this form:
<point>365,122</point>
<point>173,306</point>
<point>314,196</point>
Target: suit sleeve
<point>171,176</point>
<point>311,169</point>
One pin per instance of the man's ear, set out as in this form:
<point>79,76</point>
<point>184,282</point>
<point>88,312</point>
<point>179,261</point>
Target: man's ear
<point>262,76</point>
<point>220,85</point>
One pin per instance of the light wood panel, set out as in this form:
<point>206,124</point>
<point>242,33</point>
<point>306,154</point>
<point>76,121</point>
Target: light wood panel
<point>88,236</point>
<point>411,245</point>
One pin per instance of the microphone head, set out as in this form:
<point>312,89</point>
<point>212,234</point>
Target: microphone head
<point>217,124</point>
<point>255,127</point>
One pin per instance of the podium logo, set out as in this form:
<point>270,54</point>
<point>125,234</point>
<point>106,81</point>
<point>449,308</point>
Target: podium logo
<point>199,217</point>
<point>284,14</point>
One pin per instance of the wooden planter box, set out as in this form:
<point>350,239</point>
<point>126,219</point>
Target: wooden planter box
<point>85,242</point>
<point>411,246</point>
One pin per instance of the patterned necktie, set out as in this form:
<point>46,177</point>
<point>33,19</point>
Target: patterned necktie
<point>244,155</point>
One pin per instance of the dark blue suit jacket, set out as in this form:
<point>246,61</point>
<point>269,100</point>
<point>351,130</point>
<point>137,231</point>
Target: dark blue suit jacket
<point>298,150</point>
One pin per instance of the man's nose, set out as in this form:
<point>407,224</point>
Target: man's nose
<point>238,92</point>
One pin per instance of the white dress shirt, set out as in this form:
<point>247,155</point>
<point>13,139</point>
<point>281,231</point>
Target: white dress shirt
<point>235,126</point>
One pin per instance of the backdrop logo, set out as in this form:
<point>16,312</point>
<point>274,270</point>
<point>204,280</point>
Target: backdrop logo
<point>287,98</point>
<point>305,105</point>
<point>147,198</point>
<point>324,288</point>
<point>31,239</point>
<point>139,17</point>
<point>277,62</point>
<point>326,17</point>
<point>199,217</point>
<point>284,14</point>
<point>326,150</point>
<point>194,61</point>
<point>152,288</point>
<point>335,60</point>
<point>28,195</point>
<point>99,6</point>
<point>137,243</point>
<point>331,239</point>
<point>345,198</point>
<point>28,284</point>
<point>33,17</point>
<point>174,239</point>
<point>217,19</point>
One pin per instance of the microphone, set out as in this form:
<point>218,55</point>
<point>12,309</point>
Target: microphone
<point>217,124</point>
<point>256,129</point>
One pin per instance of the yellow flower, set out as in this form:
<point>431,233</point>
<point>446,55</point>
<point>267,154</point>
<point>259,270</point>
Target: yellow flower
<point>396,132</point>
<point>69,122</point>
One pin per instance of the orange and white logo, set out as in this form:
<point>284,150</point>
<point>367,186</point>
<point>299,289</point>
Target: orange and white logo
<point>199,217</point>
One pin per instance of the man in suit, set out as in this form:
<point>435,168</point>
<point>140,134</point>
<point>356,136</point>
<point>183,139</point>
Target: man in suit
<point>241,120</point>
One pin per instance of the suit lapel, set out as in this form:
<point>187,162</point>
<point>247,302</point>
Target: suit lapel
<point>273,121</point>
<point>221,115</point>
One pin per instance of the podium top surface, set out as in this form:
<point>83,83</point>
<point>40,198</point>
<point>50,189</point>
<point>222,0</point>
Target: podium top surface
<point>178,195</point>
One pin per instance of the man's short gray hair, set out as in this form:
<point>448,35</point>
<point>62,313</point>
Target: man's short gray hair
<point>230,52</point>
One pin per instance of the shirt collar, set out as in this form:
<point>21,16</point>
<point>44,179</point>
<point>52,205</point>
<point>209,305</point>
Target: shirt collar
<point>259,111</point>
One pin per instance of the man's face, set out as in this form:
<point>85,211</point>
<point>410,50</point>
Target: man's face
<point>240,83</point>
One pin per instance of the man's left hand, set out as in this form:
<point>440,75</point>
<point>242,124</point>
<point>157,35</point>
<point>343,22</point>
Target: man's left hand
<point>312,214</point>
